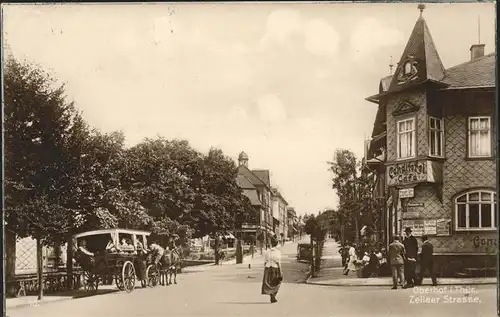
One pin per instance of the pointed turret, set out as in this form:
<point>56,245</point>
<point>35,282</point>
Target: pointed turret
<point>420,61</point>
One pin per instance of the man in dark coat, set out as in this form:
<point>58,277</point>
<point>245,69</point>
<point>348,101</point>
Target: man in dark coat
<point>426,261</point>
<point>411,247</point>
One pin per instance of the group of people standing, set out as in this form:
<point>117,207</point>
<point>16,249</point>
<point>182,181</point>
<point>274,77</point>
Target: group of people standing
<point>369,261</point>
<point>400,260</point>
<point>403,258</point>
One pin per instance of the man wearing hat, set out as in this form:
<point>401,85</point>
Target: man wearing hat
<point>411,247</point>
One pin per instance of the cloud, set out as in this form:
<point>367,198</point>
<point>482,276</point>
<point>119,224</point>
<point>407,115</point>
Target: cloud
<point>371,36</point>
<point>283,27</point>
<point>281,24</point>
<point>271,109</point>
<point>321,37</point>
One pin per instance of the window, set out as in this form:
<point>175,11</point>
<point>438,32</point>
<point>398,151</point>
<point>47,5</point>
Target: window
<point>476,211</point>
<point>407,68</point>
<point>406,138</point>
<point>436,133</point>
<point>479,137</point>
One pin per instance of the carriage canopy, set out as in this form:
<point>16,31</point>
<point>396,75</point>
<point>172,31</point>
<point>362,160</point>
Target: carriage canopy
<point>98,239</point>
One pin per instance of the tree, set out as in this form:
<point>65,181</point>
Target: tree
<point>220,205</point>
<point>353,187</point>
<point>316,227</point>
<point>37,123</point>
<point>160,174</point>
<point>60,176</point>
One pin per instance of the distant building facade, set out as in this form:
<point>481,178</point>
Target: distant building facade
<point>280,206</point>
<point>256,186</point>
<point>292,223</point>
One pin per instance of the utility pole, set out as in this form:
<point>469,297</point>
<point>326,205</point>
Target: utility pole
<point>39,258</point>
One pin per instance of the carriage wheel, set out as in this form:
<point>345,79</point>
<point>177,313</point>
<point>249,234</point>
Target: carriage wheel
<point>119,282</point>
<point>128,276</point>
<point>91,282</point>
<point>152,276</point>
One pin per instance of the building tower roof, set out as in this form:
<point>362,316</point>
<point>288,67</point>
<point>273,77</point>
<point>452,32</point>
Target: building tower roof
<point>243,156</point>
<point>420,61</point>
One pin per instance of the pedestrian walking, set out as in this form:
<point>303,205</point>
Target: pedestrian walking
<point>273,274</point>
<point>351,265</point>
<point>426,260</point>
<point>344,253</point>
<point>397,259</point>
<point>411,248</point>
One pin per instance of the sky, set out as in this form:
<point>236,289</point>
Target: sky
<point>284,82</point>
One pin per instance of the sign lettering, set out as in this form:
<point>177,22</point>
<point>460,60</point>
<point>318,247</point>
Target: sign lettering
<point>415,205</point>
<point>407,172</point>
<point>406,193</point>
<point>420,226</point>
<point>483,242</point>
<point>443,227</point>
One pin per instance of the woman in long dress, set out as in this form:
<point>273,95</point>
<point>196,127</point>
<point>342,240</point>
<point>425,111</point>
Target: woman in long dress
<point>273,274</point>
<point>352,258</point>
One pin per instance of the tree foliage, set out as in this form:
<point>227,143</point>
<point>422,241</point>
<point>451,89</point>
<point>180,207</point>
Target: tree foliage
<point>63,177</point>
<point>38,126</point>
<point>354,187</point>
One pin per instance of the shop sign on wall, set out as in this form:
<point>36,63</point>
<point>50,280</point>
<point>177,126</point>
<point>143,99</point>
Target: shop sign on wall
<point>479,242</point>
<point>443,227</point>
<point>411,214</point>
<point>430,227</point>
<point>406,193</point>
<point>412,172</point>
<point>420,227</point>
<point>415,205</point>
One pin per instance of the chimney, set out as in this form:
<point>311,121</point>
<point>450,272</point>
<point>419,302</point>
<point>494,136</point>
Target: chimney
<point>476,51</point>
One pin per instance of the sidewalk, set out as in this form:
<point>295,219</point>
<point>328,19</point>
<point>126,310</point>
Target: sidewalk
<point>331,273</point>
<point>25,301</point>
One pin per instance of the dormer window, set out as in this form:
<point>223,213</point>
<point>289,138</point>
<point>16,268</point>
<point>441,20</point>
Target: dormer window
<point>407,69</point>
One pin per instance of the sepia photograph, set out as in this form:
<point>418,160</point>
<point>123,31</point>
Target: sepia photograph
<point>249,159</point>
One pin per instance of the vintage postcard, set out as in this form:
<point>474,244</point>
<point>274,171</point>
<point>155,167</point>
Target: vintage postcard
<point>249,159</point>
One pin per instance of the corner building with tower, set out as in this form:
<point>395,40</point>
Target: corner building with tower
<point>434,152</point>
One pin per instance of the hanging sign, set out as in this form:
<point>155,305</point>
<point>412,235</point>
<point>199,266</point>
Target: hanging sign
<point>406,193</point>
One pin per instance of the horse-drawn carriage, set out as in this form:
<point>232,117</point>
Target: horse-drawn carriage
<point>101,256</point>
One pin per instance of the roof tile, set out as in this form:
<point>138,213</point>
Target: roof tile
<point>476,73</point>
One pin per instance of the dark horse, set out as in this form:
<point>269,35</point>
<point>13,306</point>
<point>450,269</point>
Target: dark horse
<point>170,263</point>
